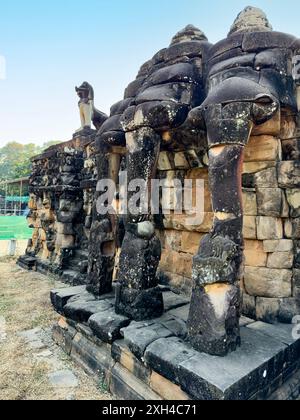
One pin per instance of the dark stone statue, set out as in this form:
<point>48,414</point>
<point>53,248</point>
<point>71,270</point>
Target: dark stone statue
<point>192,95</point>
<point>88,113</point>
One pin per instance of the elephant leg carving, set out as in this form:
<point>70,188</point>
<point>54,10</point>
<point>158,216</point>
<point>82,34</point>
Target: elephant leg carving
<point>104,229</point>
<point>213,323</point>
<point>138,294</point>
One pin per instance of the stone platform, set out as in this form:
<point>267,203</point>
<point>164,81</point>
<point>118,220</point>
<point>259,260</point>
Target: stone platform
<point>152,361</point>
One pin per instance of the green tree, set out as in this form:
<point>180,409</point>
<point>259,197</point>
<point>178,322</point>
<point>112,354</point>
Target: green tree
<point>15,159</point>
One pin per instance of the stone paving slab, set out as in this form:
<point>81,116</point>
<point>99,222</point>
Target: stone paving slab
<point>97,338</point>
<point>63,379</point>
<point>81,311</point>
<point>60,297</point>
<point>237,376</point>
<point>173,301</point>
<point>138,339</point>
<point>107,325</point>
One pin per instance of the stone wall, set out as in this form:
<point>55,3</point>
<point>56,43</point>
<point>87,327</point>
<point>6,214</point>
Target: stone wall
<point>62,187</point>
<point>61,192</point>
<point>271,223</point>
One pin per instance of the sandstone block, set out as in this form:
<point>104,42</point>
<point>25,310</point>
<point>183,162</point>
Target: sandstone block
<point>164,163</point>
<point>291,149</point>
<point>121,354</point>
<point>269,228</point>
<point>171,240</point>
<point>292,228</point>
<point>191,242</point>
<point>249,229</point>
<point>181,161</point>
<point>288,126</point>
<point>281,260</point>
<point>249,202</point>
<point>166,389</point>
<point>262,148</point>
<point>253,167</point>
<point>269,201</point>
<point>267,282</point>
<point>267,310</point>
<point>289,174</point>
<point>177,262</point>
<point>293,199</point>
<point>202,223</point>
<point>271,127</point>
<point>282,245</point>
<point>255,256</point>
<point>266,178</point>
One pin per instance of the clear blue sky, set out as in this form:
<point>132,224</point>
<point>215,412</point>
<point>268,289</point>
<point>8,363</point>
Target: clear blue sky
<point>52,45</point>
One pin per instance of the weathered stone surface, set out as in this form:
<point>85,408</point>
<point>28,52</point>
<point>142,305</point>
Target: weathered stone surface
<point>262,148</point>
<point>249,228</point>
<point>126,387</point>
<point>213,324</point>
<point>177,262</point>
<point>201,223</point>
<point>81,311</point>
<point>138,336</point>
<point>291,149</point>
<point>248,305</point>
<point>173,301</point>
<point>297,256</point>
<point>266,178</point>
<point>164,163</point>
<point>269,228</point>
<point>271,127</point>
<point>269,202</point>
<point>239,375</point>
<point>293,198</point>
<point>280,332</point>
<point>166,389</point>
<point>267,309</point>
<point>190,242</point>
<point>181,313</point>
<point>282,245</point>
<point>107,325</point>
<point>249,202</point>
<point>63,334</point>
<point>281,260</point>
<point>254,167</point>
<point>95,359</point>
<point>139,304</point>
<point>165,355</point>
<point>289,174</point>
<point>63,379</point>
<point>267,282</point>
<point>121,354</point>
<point>255,255</point>
<point>177,326</point>
<point>289,308</point>
<point>180,161</point>
<point>60,297</point>
<point>292,228</point>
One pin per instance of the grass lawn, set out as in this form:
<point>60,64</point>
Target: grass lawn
<point>14,227</point>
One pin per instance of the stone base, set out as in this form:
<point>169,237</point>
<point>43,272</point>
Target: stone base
<point>27,262</point>
<point>139,304</point>
<point>71,277</point>
<point>152,360</point>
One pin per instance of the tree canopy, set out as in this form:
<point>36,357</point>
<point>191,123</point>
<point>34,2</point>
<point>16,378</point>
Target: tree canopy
<point>15,159</point>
